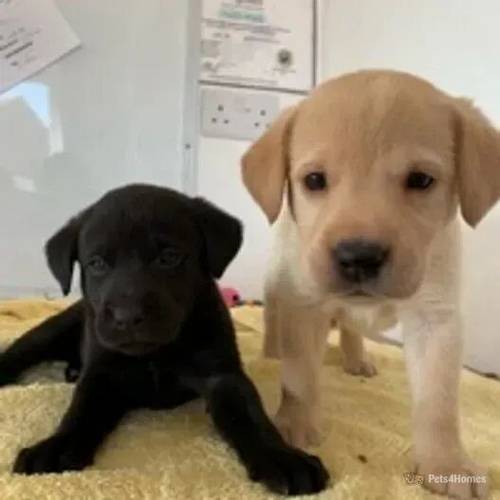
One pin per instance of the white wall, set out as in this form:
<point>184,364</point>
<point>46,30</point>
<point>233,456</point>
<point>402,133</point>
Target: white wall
<point>454,44</point>
<point>220,180</point>
<point>107,114</point>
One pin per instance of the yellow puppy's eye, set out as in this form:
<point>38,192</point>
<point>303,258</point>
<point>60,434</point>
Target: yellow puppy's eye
<point>419,181</point>
<point>315,181</point>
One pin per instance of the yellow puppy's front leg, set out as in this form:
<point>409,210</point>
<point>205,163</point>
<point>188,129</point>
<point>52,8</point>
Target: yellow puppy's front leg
<point>433,347</point>
<point>297,334</point>
<point>355,359</point>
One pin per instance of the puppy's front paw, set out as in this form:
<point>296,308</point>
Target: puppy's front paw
<point>298,425</point>
<point>6,380</point>
<point>457,478</point>
<point>72,373</point>
<point>362,367</point>
<point>7,375</point>
<point>298,421</point>
<point>288,471</point>
<point>55,454</point>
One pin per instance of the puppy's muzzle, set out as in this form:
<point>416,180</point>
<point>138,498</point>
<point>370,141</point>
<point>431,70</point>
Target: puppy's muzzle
<point>359,260</point>
<point>129,330</point>
<point>125,318</point>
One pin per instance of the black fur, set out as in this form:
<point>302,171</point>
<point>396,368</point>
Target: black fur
<point>151,331</point>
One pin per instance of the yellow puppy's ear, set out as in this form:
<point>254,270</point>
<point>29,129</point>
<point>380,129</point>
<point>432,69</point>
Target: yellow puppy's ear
<point>265,164</point>
<point>477,160</point>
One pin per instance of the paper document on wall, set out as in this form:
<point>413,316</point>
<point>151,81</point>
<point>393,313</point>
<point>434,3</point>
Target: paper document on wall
<point>33,34</point>
<point>258,43</point>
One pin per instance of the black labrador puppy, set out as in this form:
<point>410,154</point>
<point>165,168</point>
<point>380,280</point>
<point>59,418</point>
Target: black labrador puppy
<point>151,332</point>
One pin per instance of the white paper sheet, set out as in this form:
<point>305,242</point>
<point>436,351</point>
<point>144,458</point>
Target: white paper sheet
<point>258,43</point>
<point>33,34</point>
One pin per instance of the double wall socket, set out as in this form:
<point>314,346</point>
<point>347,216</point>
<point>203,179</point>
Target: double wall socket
<point>236,114</point>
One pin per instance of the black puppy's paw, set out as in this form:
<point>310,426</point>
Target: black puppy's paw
<point>72,373</point>
<point>7,376</point>
<point>55,454</point>
<point>289,471</point>
<point>6,379</point>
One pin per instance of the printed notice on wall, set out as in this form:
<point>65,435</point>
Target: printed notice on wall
<point>33,34</point>
<point>258,43</point>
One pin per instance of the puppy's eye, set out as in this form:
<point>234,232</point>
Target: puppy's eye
<point>315,181</point>
<point>419,181</point>
<point>169,258</point>
<point>97,266</point>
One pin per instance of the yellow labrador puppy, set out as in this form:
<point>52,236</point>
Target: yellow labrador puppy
<point>364,179</point>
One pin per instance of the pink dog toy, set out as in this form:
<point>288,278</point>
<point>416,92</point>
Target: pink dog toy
<point>231,296</point>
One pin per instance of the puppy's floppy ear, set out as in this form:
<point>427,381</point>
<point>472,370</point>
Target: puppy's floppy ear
<point>222,235</point>
<point>477,162</point>
<point>62,251</point>
<point>265,164</point>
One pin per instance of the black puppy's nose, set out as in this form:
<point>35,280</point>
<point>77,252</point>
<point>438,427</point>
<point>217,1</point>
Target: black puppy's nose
<point>126,317</point>
<point>360,260</point>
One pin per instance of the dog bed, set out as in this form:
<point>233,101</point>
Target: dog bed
<point>178,454</point>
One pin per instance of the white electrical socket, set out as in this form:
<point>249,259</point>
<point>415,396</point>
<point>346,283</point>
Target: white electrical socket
<point>235,114</point>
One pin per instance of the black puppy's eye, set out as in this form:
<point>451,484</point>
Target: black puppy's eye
<point>169,258</point>
<point>98,266</point>
<point>315,181</point>
<point>419,181</point>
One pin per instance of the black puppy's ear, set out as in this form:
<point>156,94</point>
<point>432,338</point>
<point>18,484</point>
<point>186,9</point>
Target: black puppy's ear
<point>62,251</point>
<point>222,235</point>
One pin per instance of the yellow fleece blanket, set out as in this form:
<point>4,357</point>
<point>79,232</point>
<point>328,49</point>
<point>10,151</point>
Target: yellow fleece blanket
<point>178,455</point>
